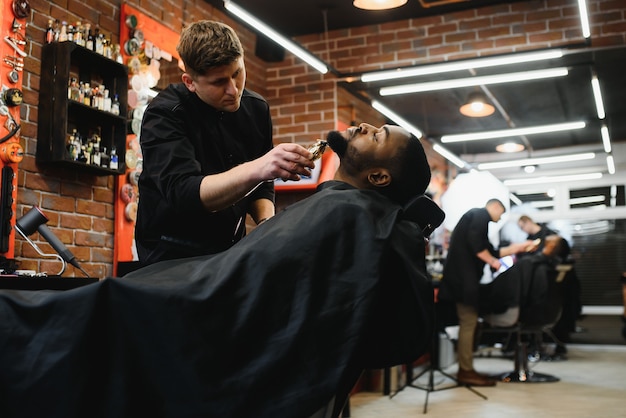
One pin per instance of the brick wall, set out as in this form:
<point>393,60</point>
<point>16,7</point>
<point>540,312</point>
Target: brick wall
<point>304,103</point>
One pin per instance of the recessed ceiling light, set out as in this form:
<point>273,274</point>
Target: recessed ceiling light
<point>477,106</point>
<point>510,147</point>
<point>378,4</point>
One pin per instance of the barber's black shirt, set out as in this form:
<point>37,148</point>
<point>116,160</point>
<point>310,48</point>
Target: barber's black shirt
<point>463,269</point>
<point>182,140</point>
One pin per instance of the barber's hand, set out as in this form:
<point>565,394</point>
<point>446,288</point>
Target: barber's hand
<point>286,161</point>
<point>524,247</point>
<point>532,247</point>
<point>495,264</point>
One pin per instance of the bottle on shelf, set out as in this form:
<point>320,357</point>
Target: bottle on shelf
<point>74,90</point>
<point>117,54</point>
<point>78,34</point>
<point>115,105</point>
<point>86,94</point>
<point>70,33</point>
<point>96,160</point>
<point>105,159</point>
<point>57,30</point>
<point>106,101</point>
<point>97,41</point>
<point>114,164</point>
<point>49,38</point>
<point>88,36</point>
<point>63,33</point>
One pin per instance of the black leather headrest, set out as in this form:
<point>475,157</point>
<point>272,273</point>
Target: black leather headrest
<point>426,213</point>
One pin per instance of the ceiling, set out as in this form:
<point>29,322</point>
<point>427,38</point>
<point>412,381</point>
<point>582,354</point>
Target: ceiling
<point>522,104</point>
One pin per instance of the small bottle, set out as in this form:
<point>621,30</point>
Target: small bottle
<point>117,54</point>
<point>86,94</point>
<point>96,98</point>
<point>89,42</point>
<point>63,33</point>
<point>81,92</point>
<point>115,105</point>
<point>97,40</point>
<point>114,164</point>
<point>74,93</point>
<point>49,38</point>
<point>105,159</point>
<point>70,33</point>
<point>78,34</point>
<point>96,160</point>
<point>56,30</point>
<point>71,140</point>
<point>106,101</point>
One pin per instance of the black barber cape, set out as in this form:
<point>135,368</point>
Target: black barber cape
<point>273,327</point>
<point>526,285</point>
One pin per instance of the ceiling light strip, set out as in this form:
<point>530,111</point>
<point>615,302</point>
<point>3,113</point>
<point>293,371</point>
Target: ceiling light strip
<point>461,65</point>
<point>474,81</point>
<point>449,156</point>
<point>415,131</point>
<point>537,161</point>
<point>597,95</point>
<point>610,164</point>
<point>552,179</point>
<point>587,199</point>
<point>584,18</point>
<point>397,118</point>
<point>606,138</point>
<point>505,133</point>
<point>276,37</point>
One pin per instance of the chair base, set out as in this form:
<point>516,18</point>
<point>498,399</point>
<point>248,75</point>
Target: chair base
<point>526,377</point>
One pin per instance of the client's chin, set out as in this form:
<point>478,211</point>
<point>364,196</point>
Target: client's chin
<point>337,143</point>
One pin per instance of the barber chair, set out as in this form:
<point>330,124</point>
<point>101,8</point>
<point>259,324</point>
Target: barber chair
<point>552,309</point>
<point>429,216</point>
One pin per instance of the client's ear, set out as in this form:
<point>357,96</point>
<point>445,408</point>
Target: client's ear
<point>188,81</point>
<point>379,178</point>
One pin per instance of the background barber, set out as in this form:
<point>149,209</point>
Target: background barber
<point>208,156</point>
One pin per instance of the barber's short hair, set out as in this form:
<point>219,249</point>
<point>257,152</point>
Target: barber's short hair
<point>410,172</point>
<point>208,44</point>
<point>524,219</point>
<point>497,202</point>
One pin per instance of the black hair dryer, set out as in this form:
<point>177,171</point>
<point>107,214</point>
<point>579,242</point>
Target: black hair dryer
<point>35,221</point>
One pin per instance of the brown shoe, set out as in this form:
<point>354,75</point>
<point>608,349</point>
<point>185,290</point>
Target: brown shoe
<point>473,378</point>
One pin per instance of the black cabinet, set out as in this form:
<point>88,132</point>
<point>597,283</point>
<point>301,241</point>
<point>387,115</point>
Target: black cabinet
<point>61,115</point>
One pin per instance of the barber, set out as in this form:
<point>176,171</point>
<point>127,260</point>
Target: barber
<point>208,155</point>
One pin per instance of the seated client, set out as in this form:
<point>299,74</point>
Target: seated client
<point>520,293</point>
<point>279,325</point>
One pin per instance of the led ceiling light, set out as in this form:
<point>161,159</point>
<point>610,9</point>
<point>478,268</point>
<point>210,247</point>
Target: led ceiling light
<point>461,65</point>
<point>552,179</point>
<point>449,156</point>
<point>505,133</point>
<point>610,164</point>
<point>397,118</point>
<point>378,4</point>
<point>477,106</point>
<point>606,138</point>
<point>537,161</point>
<point>415,131</point>
<point>597,95</point>
<point>584,18</point>
<point>276,37</point>
<point>473,81</point>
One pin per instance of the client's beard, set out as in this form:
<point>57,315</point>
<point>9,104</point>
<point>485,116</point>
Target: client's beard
<point>337,143</point>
